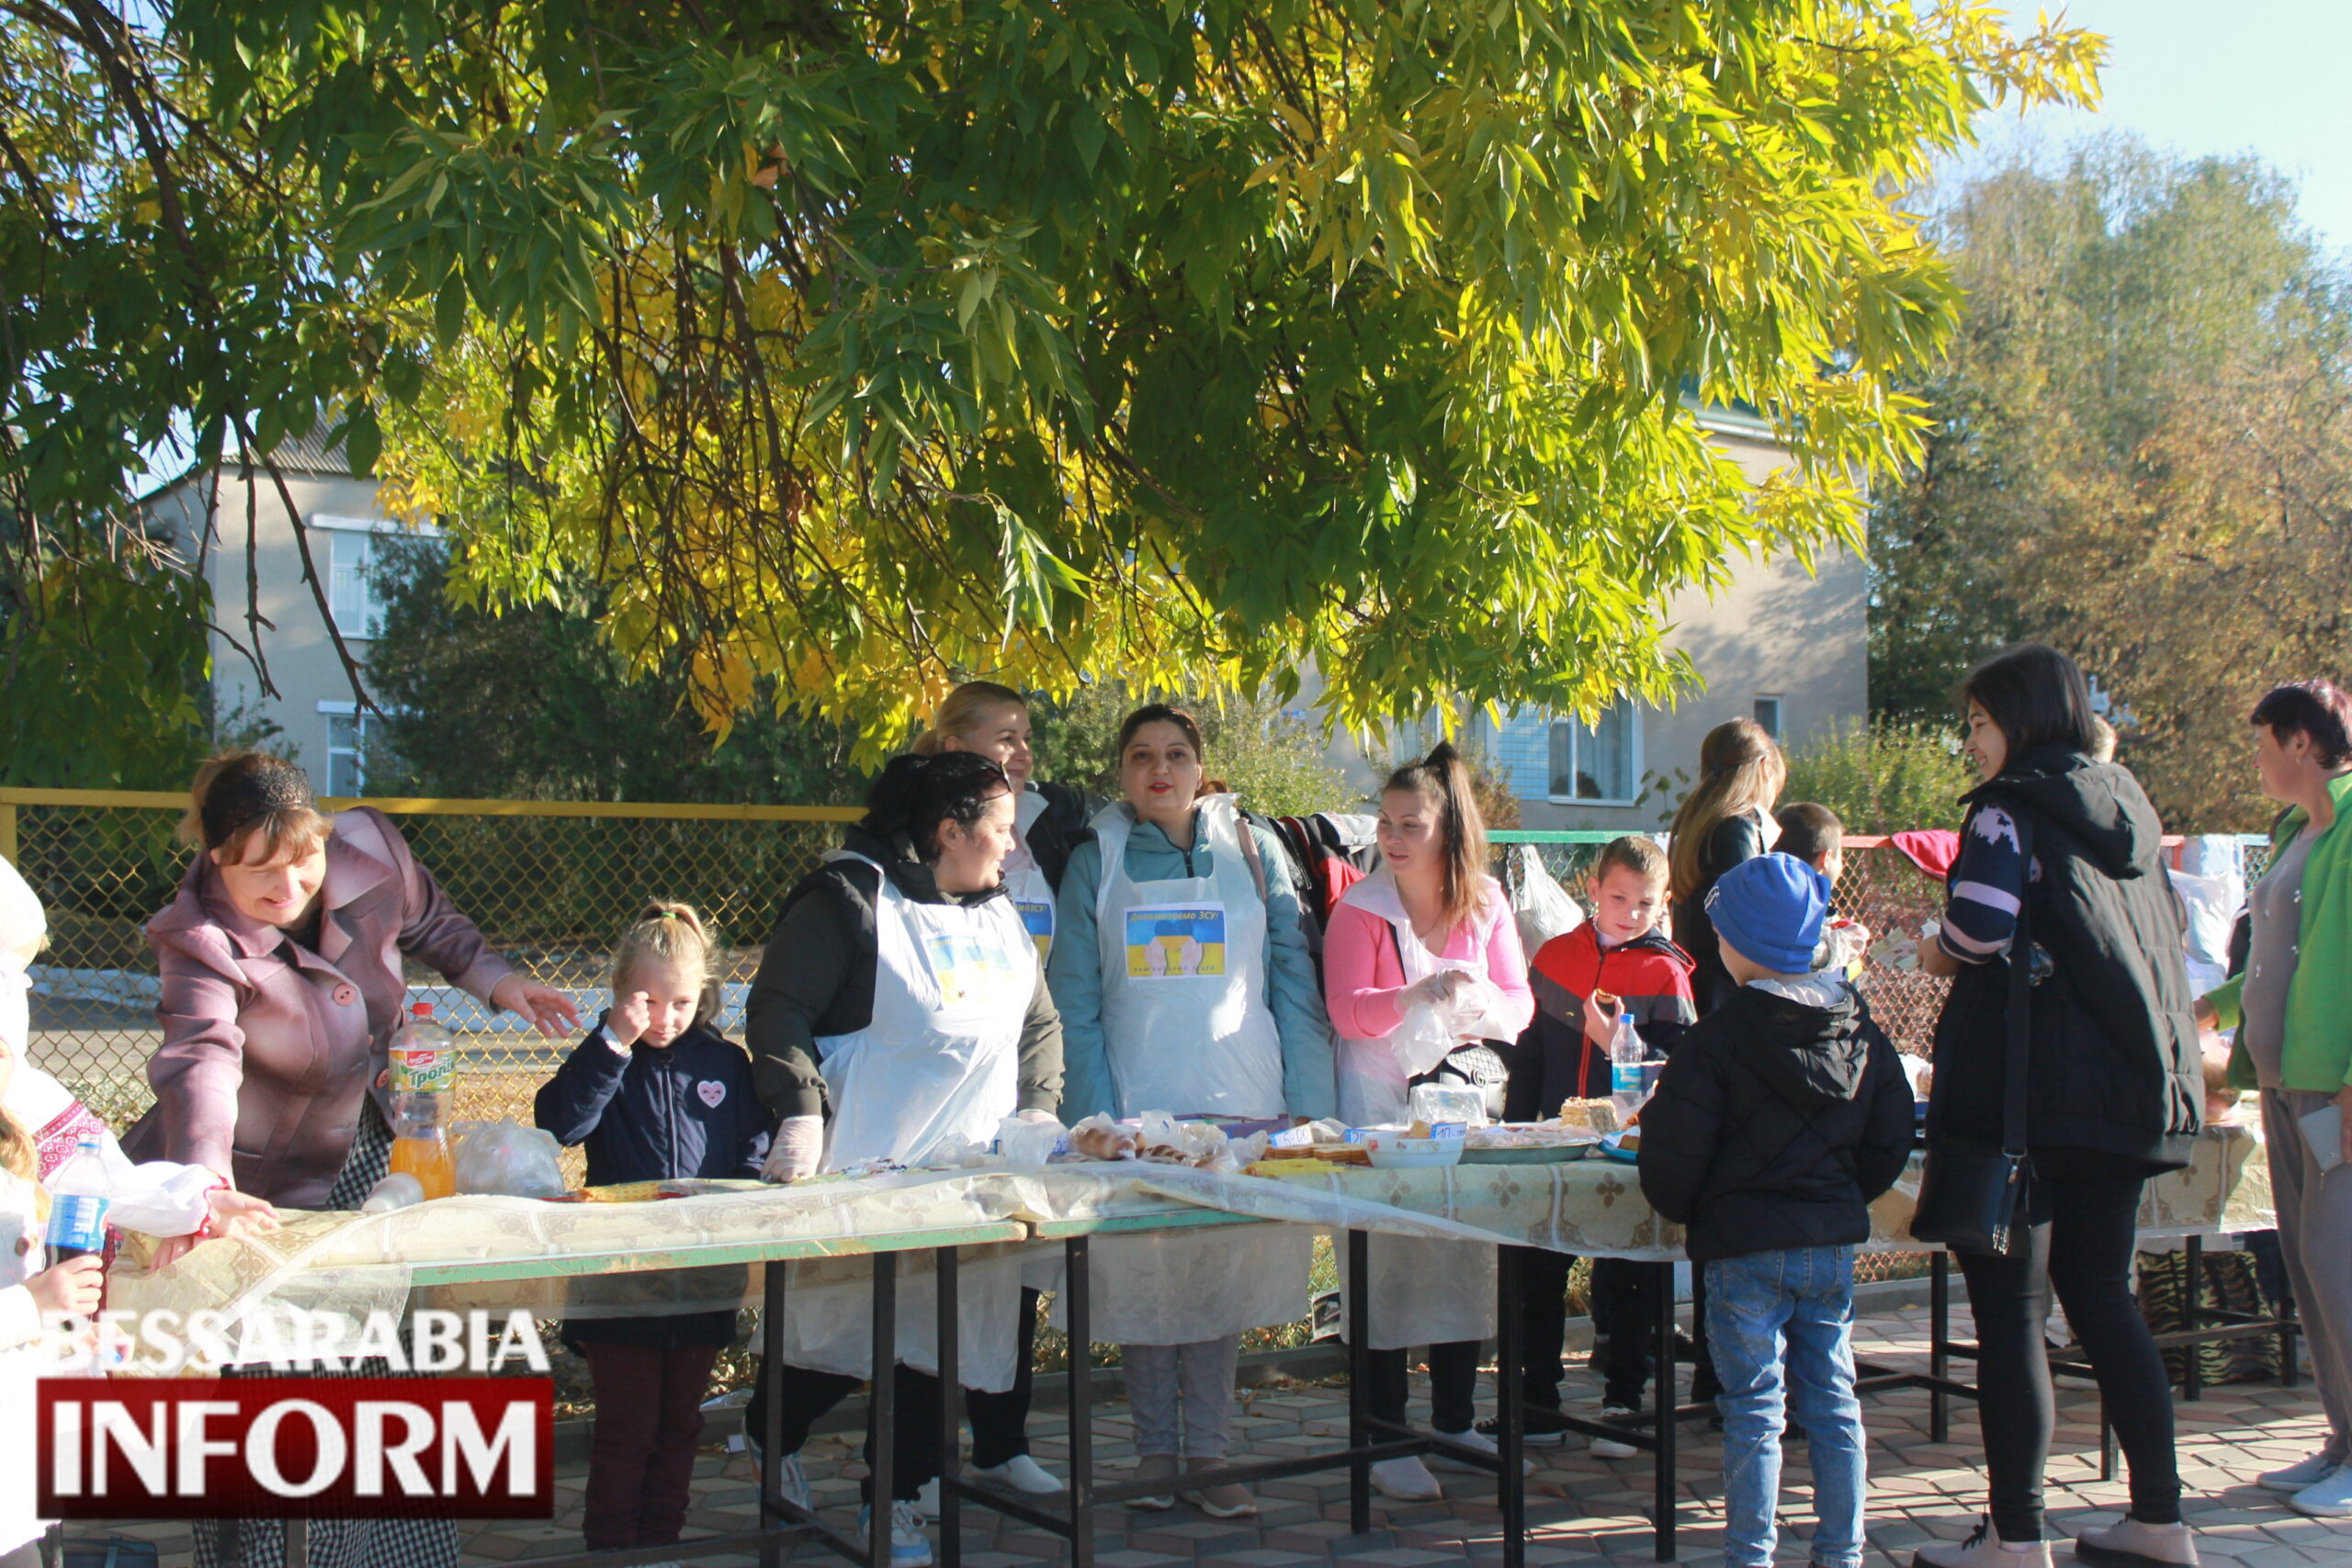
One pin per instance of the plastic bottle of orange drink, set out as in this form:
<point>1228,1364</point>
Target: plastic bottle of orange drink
<point>424,1081</point>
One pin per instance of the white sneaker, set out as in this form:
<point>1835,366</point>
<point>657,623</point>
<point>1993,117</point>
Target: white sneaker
<point>1609,1447</point>
<point>792,1480</point>
<point>2302,1473</point>
<point>1022,1474</point>
<point>2131,1544</point>
<point>927,1501</point>
<point>1474,1439</point>
<point>1407,1479</point>
<point>2329,1499</point>
<point>1985,1549</point>
<point>909,1548</point>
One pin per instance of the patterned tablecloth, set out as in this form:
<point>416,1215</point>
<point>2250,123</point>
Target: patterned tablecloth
<point>1593,1207</point>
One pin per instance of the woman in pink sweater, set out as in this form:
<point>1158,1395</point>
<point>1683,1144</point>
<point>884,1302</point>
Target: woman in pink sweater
<point>1429,935</point>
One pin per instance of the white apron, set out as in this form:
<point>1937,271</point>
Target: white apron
<point>1189,1030</point>
<point>939,1059</point>
<point>1024,884</point>
<point>1423,1292</point>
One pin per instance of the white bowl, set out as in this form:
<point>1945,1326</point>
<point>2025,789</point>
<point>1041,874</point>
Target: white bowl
<point>1393,1151</point>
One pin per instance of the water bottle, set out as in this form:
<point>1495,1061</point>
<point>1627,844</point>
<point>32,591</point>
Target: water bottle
<point>424,1068</point>
<point>77,1211</point>
<point>1628,1082</point>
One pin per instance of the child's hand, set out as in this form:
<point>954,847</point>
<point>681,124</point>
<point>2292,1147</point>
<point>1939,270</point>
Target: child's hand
<point>1600,1022</point>
<point>630,1017</point>
<point>71,1288</point>
<point>238,1213</point>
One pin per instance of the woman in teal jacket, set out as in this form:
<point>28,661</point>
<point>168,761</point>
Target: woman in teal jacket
<point>2292,1009</point>
<point>1185,987</point>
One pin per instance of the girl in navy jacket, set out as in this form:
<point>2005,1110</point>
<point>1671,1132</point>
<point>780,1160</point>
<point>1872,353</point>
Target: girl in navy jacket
<point>655,1093</point>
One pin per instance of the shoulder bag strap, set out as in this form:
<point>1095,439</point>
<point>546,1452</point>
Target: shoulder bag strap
<point>2020,1011</point>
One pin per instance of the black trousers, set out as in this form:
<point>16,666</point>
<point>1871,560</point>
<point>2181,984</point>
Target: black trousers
<point>1001,1421</point>
<point>1454,1385</point>
<point>808,1396</point>
<point>1543,1326</point>
<point>2082,1245</point>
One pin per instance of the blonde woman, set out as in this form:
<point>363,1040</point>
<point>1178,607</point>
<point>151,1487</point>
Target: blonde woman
<point>1725,820</point>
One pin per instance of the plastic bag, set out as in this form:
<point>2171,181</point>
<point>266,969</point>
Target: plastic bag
<point>1431,1030</point>
<point>1026,1144</point>
<point>1538,903</point>
<point>1440,1102</point>
<point>505,1159</point>
<point>400,1191</point>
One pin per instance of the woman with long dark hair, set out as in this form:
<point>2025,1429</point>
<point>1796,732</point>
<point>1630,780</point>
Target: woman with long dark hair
<point>2113,1091</point>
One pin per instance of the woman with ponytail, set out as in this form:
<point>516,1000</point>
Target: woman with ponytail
<point>1427,932</point>
<point>1724,820</point>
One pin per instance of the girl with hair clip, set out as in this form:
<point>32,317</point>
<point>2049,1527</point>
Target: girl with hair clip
<point>1725,820</point>
<point>1050,820</point>
<point>1429,929</point>
<point>1186,987</point>
<point>901,1007</point>
<point>655,1093</point>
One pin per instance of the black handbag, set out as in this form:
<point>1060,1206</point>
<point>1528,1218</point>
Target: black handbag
<point>1971,1193</point>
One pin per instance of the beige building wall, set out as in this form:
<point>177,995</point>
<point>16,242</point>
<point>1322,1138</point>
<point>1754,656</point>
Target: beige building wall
<point>315,709</point>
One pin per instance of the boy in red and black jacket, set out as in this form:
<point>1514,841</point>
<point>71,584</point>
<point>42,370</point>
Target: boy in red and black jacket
<point>1564,1055</point>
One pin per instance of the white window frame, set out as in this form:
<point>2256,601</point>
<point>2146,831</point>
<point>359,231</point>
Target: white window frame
<point>1634,770</point>
<point>331,711</point>
<point>363,628</point>
<point>1778,728</point>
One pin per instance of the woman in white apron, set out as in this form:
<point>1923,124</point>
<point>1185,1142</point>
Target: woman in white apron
<point>899,1005</point>
<point>1186,986</point>
<point>1050,820</point>
<point>1428,929</point>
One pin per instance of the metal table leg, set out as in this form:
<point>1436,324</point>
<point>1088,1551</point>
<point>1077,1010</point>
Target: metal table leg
<point>1509,1421</point>
<point>1662,1402</point>
<point>1077,1290</point>
<point>772,1419</point>
<point>297,1543</point>
<point>882,1404</point>
<point>2192,1367</point>
<point>1359,1282</point>
<point>951,1407</point>
<point>1938,1345</point>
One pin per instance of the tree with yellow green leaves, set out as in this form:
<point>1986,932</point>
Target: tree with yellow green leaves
<point>853,348</point>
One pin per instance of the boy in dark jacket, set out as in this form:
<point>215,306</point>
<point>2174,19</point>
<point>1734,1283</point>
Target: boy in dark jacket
<point>1782,1115</point>
<point>655,1093</point>
<point>1622,955</point>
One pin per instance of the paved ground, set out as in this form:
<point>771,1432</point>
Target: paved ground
<point>1582,1510</point>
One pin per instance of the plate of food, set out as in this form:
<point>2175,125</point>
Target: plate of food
<point>1532,1143</point>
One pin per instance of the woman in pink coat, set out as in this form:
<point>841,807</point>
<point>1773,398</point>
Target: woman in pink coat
<point>1424,950</point>
<point>282,982</point>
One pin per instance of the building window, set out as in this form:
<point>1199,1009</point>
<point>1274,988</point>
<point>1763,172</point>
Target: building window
<point>347,748</point>
<point>1598,762</point>
<point>1768,716</point>
<point>351,588</point>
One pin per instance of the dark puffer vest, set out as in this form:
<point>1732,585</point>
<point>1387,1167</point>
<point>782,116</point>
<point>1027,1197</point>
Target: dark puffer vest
<point>2113,1066</point>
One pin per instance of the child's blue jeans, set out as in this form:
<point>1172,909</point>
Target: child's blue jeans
<point>1794,1307</point>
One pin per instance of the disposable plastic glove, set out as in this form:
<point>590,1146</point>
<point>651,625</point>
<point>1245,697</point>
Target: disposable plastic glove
<point>1436,989</point>
<point>799,1148</point>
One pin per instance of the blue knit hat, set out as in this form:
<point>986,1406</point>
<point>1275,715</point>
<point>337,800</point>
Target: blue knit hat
<point>1771,908</point>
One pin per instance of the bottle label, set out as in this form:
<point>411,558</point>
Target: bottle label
<point>1625,1077</point>
<point>78,1223</point>
<point>417,1071</point>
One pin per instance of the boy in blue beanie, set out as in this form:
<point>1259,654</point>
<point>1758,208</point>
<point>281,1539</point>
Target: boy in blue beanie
<point>1780,1117</point>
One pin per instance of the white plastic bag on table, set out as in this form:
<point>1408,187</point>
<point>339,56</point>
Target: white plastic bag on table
<point>1026,1144</point>
<point>1538,903</point>
<point>507,1160</point>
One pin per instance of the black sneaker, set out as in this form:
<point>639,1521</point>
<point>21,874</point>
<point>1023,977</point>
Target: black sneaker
<point>1537,1428</point>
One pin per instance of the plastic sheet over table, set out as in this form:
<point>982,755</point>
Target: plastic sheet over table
<point>635,1260</point>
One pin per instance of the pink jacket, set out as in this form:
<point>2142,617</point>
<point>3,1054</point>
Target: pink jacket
<point>1364,973</point>
<point>269,1048</point>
